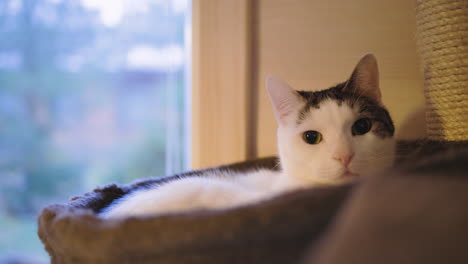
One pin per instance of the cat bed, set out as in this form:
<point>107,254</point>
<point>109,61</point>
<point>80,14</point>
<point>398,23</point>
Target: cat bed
<point>72,233</point>
<point>281,230</point>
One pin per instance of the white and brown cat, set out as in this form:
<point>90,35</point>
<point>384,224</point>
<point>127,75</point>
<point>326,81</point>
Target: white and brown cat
<point>324,137</point>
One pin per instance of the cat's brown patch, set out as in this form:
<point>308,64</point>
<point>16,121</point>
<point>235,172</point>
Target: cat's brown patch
<point>367,107</point>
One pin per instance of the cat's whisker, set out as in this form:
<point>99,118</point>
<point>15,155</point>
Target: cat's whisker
<point>277,165</point>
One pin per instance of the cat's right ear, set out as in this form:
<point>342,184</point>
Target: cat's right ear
<point>283,98</point>
<point>365,78</point>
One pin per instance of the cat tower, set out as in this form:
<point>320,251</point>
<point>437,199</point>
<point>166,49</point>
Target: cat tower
<point>443,47</point>
<point>286,229</point>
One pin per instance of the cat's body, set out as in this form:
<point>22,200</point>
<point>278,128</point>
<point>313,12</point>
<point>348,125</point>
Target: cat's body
<point>220,189</point>
<point>324,137</point>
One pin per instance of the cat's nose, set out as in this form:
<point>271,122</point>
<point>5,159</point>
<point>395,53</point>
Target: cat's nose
<point>344,159</point>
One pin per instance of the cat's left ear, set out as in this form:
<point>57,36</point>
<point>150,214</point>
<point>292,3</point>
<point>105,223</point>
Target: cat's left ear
<point>365,79</point>
<point>283,98</point>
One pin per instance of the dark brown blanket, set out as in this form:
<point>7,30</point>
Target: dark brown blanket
<point>416,215</point>
<point>389,216</point>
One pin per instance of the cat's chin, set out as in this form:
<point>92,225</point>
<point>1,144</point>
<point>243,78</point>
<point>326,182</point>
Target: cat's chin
<point>335,181</point>
<point>349,174</point>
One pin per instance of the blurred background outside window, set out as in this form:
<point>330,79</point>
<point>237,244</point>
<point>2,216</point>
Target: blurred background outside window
<point>91,92</point>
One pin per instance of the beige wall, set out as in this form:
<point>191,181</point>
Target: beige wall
<point>311,44</point>
<point>315,44</point>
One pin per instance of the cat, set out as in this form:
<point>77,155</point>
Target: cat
<point>323,137</point>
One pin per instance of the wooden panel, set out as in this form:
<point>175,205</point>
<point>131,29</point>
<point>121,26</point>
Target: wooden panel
<point>315,44</point>
<point>219,81</point>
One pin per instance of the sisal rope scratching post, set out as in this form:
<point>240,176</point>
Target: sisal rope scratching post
<point>442,27</point>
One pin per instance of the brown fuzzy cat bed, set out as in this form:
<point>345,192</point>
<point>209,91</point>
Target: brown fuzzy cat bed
<point>72,233</point>
<point>419,208</point>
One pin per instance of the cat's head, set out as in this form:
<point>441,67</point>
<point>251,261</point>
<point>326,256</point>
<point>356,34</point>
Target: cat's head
<point>337,133</point>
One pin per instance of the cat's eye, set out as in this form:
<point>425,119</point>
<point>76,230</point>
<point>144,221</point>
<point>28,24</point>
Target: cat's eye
<point>312,137</point>
<point>361,126</point>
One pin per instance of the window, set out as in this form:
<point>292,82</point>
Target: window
<point>91,92</point>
